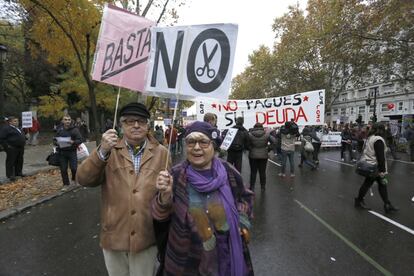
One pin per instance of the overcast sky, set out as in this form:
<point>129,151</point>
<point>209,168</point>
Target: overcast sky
<point>255,19</point>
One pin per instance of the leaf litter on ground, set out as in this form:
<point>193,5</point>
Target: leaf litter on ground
<point>29,188</point>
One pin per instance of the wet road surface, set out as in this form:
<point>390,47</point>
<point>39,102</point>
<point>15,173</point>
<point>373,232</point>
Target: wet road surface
<point>302,226</point>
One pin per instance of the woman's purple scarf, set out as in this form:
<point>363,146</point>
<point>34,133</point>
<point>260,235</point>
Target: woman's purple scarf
<point>220,182</point>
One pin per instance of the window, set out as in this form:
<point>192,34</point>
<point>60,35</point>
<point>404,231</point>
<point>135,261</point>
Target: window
<point>343,111</point>
<point>361,109</point>
<point>371,108</point>
<point>388,88</point>
<point>400,106</point>
<point>384,107</point>
<point>372,91</point>
<point>335,111</point>
<point>362,93</point>
<point>351,110</point>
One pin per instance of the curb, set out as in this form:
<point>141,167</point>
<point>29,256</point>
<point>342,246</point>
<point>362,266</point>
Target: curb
<point>6,214</point>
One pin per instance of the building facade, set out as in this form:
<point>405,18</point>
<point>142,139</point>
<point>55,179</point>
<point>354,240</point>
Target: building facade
<point>393,102</point>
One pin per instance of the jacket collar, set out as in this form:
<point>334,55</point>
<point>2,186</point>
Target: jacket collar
<point>147,154</point>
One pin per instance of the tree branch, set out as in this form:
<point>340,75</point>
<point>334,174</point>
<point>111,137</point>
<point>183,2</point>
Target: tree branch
<point>67,34</point>
<point>149,4</point>
<point>163,11</point>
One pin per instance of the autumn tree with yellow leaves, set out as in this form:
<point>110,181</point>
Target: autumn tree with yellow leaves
<point>67,31</point>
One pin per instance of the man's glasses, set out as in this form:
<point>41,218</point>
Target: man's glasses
<point>132,121</point>
<point>203,143</point>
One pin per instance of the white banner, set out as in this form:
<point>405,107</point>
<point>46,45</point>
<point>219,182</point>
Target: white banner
<point>231,133</point>
<point>195,61</point>
<point>306,108</point>
<point>332,139</point>
<point>27,119</point>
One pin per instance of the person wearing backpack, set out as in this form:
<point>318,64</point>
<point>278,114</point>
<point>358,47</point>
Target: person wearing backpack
<point>307,149</point>
<point>258,155</point>
<point>240,143</point>
<point>375,153</point>
<point>287,135</point>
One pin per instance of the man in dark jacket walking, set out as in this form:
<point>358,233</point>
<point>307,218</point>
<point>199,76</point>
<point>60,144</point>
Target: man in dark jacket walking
<point>240,143</point>
<point>68,138</point>
<point>13,141</point>
<point>409,135</point>
<point>346,143</point>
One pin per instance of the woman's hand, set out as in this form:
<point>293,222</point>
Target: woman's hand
<point>164,186</point>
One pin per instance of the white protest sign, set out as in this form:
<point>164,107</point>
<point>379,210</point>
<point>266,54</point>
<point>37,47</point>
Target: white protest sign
<point>27,119</point>
<point>167,121</point>
<point>394,127</point>
<point>332,139</point>
<point>231,133</point>
<point>306,108</point>
<point>122,49</point>
<point>195,61</point>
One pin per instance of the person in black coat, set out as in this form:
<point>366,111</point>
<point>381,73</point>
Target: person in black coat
<point>239,144</point>
<point>346,143</point>
<point>13,140</point>
<point>68,138</point>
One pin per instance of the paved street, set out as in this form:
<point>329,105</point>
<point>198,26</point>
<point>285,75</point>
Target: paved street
<point>302,226</point>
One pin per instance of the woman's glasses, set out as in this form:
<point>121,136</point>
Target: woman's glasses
<point>203,143</point>
<point>132,121</point>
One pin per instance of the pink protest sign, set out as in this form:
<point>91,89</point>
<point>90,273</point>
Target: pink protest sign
<point>122,49</point>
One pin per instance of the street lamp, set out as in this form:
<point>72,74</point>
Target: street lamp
<point>374,117</point>
<point>3,58</point>
<point>368,103</point>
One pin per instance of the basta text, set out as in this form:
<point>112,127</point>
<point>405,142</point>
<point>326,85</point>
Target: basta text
<point>135,51</point>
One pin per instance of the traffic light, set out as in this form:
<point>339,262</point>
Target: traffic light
<point>374,118</point>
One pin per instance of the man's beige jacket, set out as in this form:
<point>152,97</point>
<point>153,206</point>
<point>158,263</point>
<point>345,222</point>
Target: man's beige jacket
<point>126,221</point>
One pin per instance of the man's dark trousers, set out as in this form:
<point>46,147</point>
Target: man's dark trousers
<point>235,158</point>
<point>14,161</point>
<point>65,158</point>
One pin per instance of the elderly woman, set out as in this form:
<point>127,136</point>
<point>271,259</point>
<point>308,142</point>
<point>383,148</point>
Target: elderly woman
<point>209,210</point>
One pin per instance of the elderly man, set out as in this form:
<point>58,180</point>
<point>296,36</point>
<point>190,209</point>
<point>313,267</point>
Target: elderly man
<point>127,170</point>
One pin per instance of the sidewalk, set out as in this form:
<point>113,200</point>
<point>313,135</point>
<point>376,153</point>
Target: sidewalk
<point>34,160</point>
<point>34,163</point>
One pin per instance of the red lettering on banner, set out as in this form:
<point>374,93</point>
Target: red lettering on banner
<point>280,116</point>
<point>282,113</point>
<point>262,116</point>
<point>270,118</point>
<point>318,114</point>
<point>230,106</point>
<point>301,114</point>
<point>287,114</point>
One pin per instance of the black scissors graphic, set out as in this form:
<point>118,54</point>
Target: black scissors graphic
<point>211,73</point>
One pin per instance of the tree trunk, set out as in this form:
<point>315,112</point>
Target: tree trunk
<point>95,122</point>
<point>2,92</point>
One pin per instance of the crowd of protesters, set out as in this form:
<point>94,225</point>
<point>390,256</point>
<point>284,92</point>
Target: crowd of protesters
<point>193,218</point>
